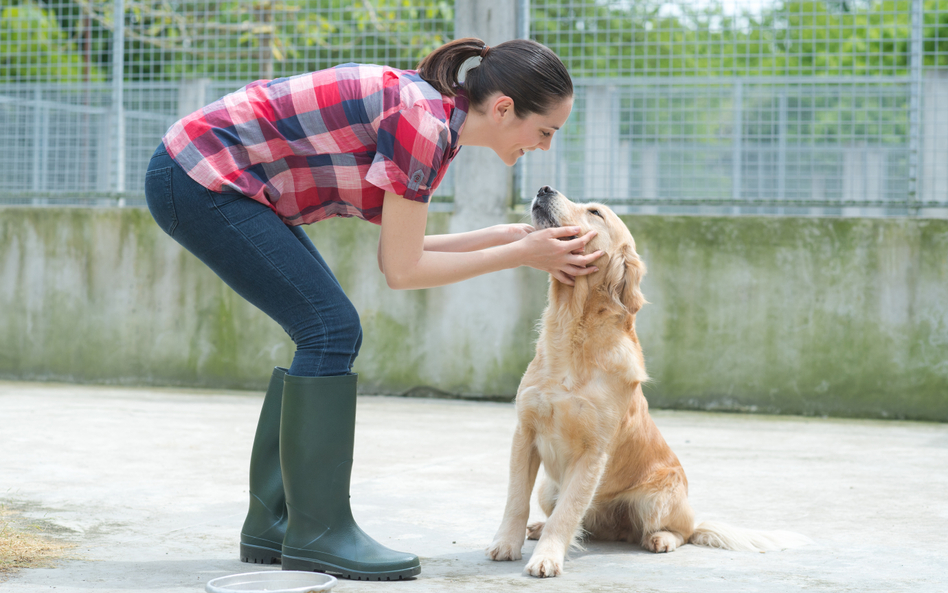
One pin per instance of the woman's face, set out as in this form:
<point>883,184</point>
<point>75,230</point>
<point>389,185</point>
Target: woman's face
<point>517,136</point>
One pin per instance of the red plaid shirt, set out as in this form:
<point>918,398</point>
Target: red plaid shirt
<point>323,144</point>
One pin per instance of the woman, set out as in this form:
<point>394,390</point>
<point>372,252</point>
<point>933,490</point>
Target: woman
<point>233,182</point>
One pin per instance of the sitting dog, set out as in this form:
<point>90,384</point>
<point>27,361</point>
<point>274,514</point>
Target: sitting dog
<point>581,412</point>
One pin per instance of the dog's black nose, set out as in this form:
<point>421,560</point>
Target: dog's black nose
<point>546,190</point>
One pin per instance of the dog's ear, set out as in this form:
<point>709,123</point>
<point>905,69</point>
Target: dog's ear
<point>624,275</point>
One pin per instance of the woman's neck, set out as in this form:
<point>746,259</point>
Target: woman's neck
<point>476,131</point>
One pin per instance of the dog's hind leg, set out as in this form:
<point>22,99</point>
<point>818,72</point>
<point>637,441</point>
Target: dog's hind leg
<point>546,494</point>
<point>662,510</point>
<point>535,530</point>
<point>524,465</point>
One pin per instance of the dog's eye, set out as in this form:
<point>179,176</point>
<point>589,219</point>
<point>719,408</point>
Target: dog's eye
<point>595,212</point>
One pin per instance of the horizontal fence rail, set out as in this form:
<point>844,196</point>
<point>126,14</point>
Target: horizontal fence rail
<point>743,106</point>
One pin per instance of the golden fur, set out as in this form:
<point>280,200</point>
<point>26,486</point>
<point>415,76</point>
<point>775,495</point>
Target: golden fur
<point>581,412</point>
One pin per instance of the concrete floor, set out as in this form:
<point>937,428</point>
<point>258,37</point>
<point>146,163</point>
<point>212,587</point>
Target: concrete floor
<point>150,484</point>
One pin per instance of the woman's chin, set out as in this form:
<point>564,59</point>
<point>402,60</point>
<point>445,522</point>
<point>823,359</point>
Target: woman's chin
<point>510,158</point>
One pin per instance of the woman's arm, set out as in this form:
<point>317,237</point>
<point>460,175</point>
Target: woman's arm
<point>499,234</point>
<point>407,264</point>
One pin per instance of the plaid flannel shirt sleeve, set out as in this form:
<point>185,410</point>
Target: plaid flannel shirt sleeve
<point>412,145</point>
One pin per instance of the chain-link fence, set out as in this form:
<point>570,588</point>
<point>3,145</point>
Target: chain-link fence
<point>719,106</point>
<point>70,130</point>
<point>796,107</point>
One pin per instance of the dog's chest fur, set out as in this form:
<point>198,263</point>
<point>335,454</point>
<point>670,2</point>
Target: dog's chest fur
<point>570,421</point>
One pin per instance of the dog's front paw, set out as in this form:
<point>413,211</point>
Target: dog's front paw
<point>535,530</point>
<point>504,550</point>
<point>544,566</point>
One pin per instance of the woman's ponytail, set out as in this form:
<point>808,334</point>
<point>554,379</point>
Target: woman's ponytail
<point>524,70</point>
<point>441,67</point>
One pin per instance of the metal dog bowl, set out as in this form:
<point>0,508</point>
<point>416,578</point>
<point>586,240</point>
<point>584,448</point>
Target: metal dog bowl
<point>272,581</point>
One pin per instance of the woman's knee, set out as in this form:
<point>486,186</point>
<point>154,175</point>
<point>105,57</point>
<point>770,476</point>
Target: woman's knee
<point>349,328</point>
<point>338,329</point>
<point>355,349</point>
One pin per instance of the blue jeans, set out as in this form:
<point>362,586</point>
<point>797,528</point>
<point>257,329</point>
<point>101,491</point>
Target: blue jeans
<point>274,266</point>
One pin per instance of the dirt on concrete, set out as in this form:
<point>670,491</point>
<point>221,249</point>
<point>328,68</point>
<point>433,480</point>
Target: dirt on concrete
<point>28,542</point>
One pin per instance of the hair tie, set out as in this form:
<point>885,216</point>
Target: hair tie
<point>484,51</point>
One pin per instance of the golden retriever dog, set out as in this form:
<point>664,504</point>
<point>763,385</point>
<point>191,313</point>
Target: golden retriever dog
<point>582,414</point>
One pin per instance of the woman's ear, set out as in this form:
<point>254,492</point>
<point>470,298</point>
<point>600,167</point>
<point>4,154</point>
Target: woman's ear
<point>502,108</point>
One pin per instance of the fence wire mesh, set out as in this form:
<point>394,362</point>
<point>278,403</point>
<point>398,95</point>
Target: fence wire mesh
<point>71,130</point>
<point>717,106</point>
<point>820,107</point>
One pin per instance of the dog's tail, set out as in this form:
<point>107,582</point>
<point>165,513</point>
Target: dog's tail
<point>721,535</point>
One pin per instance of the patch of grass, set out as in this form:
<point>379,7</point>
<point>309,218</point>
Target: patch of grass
<point>23,544</point>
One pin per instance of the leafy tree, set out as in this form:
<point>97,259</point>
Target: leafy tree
<point>244,40</point>
<point>797,37</point>
<point>808,38</point>
<point>35,47</point>
<point>240,40</point>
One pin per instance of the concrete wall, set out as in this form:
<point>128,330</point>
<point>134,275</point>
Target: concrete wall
<point>843,317</point>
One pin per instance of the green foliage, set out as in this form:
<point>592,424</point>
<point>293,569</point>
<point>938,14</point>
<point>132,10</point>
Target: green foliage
<point>34,47</point>
<point>248,39</point>
<point>798,37</point>
<point>241,40</point>
<point>810,38</point>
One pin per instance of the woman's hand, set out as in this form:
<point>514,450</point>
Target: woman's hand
<point>549,251</point>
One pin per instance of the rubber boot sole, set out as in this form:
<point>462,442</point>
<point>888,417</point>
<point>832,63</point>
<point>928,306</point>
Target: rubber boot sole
<point>259,554</point>
<point>305,564</point>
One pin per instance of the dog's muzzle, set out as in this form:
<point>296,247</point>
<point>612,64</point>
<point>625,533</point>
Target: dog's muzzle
<point>544,212</point>
<point>541,208</point>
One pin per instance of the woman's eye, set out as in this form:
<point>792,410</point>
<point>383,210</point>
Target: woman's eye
<point>546,134</point>
<point>595,212</point>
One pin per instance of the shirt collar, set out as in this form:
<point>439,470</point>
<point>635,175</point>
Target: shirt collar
<point>458,117</point>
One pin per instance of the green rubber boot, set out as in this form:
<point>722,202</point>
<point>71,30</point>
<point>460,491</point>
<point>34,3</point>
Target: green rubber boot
<point>316,438</point>
<point>261,538</point>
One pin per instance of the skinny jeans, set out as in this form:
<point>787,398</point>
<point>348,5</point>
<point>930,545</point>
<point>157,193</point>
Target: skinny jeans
<point>273,266</point>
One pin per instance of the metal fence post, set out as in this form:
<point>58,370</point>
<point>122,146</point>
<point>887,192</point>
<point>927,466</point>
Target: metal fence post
<point>599,142</point>
<point>118,98</point>
<point>915,92</point>
<point>932,181</point>
<point>738,165</point>
<point>483,184</point>
<point>38,140</point>
<point>782,146</point>
<point>523,32</point>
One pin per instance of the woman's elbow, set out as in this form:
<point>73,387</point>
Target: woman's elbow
<point>400,275</point>
<point>396,281</point>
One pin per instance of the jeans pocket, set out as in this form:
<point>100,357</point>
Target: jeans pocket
<point>160,198</point>
<point>235,207</point>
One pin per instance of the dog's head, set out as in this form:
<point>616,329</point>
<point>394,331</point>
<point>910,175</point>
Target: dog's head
<point>620,269</point>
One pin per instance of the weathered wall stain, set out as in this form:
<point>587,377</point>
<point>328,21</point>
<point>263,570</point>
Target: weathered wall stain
<point>845,317</point>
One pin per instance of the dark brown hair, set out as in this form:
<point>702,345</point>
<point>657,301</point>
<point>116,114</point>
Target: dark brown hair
<point>524,70</point>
